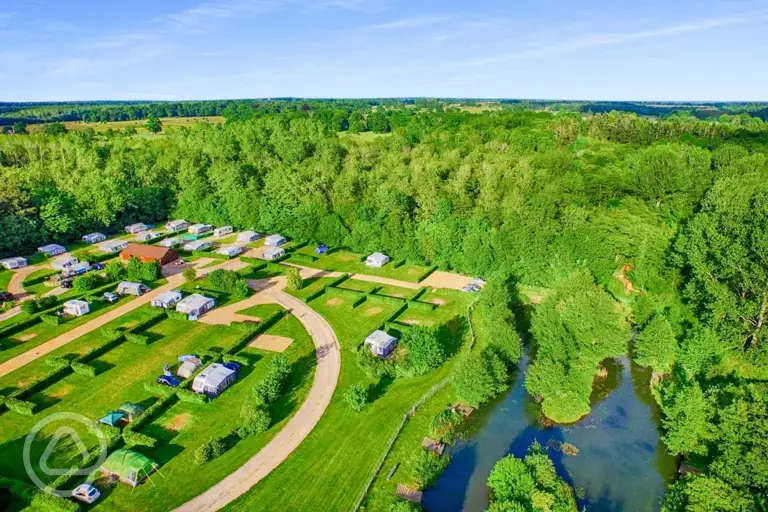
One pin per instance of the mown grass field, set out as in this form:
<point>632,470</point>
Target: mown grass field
<point>343,261</point>
<point>139,125</point>
<point>5,278</point>
<point>180,429</point>
<point>333,464</point>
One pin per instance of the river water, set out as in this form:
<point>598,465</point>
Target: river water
<point>622,463</point>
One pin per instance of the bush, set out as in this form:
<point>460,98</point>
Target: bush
<point>480,377</point>
<point>44,303</point>
<point>111,434</point>
<point>255,418</point>
<point>406,506</point>
<point>190,274</point>
<point>44,502</point>
<point>300,256</point>
<point>191,397</point>
<point>133,438</point>
<point>356,396</point>
<point>137,339</point>
<point>210,450</point>
<point>83,369</point>
<point>50,319</point>
<point>427,467</point>
<point>111,334</point>
<point>151,271</point>
<point>268,389</point>
<point>57,362</point>
<point>175,315</point>
<point>422,306</point>
<point>87,282</point>
<point>230,282</point>
<point>444,424</point>
<point>295,282</point>
<point>29,306</point>
<point>133,270</point>
<point>312,296</point>
<point>241,360</point>
<point>21,406</point>
<point>114,271</point>
<point>424,352</point>
<point>373,366</point>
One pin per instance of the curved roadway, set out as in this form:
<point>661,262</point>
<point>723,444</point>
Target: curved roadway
<point>300,425</point>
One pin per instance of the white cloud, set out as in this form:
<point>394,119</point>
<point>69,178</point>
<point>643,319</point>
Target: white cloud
<point>419,21</point>
<point>608,39</point>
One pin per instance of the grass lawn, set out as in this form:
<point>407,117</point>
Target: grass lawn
<point>381,496</point>
<point>139,124</point>
<point>37,334</point>
<point>330,468</point>
<point>5,278</point>
<point>185,426</point>
<point>271,270</point>
<point>343,261</point>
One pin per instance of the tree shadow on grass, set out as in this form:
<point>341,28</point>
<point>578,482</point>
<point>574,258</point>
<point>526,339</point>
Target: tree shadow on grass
<point>452,333</point>
<point>288,401</point>
<point>378,390</point>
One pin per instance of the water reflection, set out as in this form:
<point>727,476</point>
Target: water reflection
<point>621,466</point>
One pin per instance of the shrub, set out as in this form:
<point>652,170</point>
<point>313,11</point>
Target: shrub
<point>29,306</point>
<point>424,352</point>
<point>268,389</point>
<point>133,438</point>
<point>422,306</point>
<point>111,434</point>
<point>44,303</point>
<point>137,339</point>
<point>191,397</point>
<point>210,450</point>
<point>242,360</point>
<point>133,270</point>
<point>427,467</point>
<point>159,389</point>
<point>87,282</point>
<point>175,315</point>
<point>83,369</point>
<point>444,424</point>
<point>356,396</point>
<point>406,506</point>
<point>114,271</point>
<point>190,274</point>
<point>480,377</point>
<point>300,256</point>
<point>44,502</point>
<point>372,366</point>
<point>312,296</point>
<point>255,418</point>
<point>111,334</point>
<point>151,271</point>
<point>21,406</point>
<point>229,282</point>
<point>295,282</point>
<point>50,319</point>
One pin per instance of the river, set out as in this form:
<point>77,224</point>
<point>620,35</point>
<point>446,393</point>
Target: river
<point>622,463</point>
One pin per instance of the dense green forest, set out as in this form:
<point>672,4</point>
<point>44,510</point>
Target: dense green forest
<point>651,235</point>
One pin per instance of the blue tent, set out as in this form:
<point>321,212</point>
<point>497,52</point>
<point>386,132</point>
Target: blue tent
<point>321,249</point>
<point>113,418</point>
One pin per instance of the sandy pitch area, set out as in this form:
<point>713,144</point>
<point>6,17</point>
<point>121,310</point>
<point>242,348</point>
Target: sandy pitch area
<point>271,342</point>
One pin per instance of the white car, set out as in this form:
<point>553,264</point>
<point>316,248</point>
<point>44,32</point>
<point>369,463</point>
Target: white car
<point>479,281</point>
<point>86,493</point>
<point>110,297</point>
<point>471,288</point>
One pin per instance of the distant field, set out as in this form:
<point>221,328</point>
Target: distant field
<point>140,124</point>
<point>367,136</point>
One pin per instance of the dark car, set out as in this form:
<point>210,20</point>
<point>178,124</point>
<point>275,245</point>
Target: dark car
<point>232,366</point>
<point>167,380</point>
<point>6,297</point>
<point>67,283</point>
<point>98,266</point>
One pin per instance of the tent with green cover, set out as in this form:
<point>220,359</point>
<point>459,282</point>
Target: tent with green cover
<point>130,467</point>
<point>131,410</point>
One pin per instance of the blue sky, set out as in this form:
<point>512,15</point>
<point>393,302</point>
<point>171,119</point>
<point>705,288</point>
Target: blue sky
<point>192,49</point>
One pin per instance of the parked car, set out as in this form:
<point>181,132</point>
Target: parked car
<point>471,288</point>
<point>66,283</point>
<point>98,266</point>
<point>110,297</point>
<point>6,297</point>
<point>479,281</point>
<point>235,367</point>
<point>167,380</point>
<point>86,493</point>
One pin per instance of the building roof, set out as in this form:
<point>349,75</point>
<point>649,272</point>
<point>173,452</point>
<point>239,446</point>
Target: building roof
<point>114,243</point>
<point>274,251</point>
<point>61,260</point>
<point>177,222</point>
<point>146,251</point>
<point>17,259</point>
<point>273,239</point>
<point>214,375</point>
<point>128,284</point>
<point>230,249</point>
<point>50,248</point>
<point>380,339</point>
<point>76,302</point>
<point>197,244</point>
<point>378,257</point>
<point>192,302</point>
<point>169,296</point>
<point>93,235</point>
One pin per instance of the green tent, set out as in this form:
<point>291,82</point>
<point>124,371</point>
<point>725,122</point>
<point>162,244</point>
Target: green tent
<point>112,419</point>
<point>131,410</point>
<point>131,467</point>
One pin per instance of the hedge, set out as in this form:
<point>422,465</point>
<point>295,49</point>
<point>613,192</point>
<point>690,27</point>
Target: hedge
<point>425,274</point>
<point>18,488</point>
<point>423,306</point>
<point>101,349</point>
<point>43,277</point>
<point>338,280</point>
<point>300,256</point>
<point>253,261</point>
<point>153,411</point>
<point>50,319</point>
<point>236,359</point>
<point>312,296</point>
<point>111,434</point>
<point>398,263</point>
<point>57,362</point>
<point>111,333</point>
<point>20,406</point>
<point>137,339</point>
<point>41,383</point>
<point>352,294</point>
<point>44,502</point>
<point>359,301</point>
<point>265,324</point>
<point>159,389</point>
<point>133,438</point>
<point>83,369</point>
<point>210,254</point>
<point>397,313</point>
<point>418,293</point>
<point>175,315</point>
<point>12,329</point>
<point>395,326</point>
<point>191,397</point>
<point>386,299</point>
<point>157,316</point>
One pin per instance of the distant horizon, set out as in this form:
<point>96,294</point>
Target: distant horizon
<point>180,50</point>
